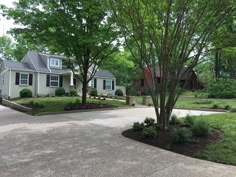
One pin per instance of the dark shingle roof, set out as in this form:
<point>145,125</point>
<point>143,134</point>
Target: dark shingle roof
<point>37,61</point>
<point>104,74</point>
<point>17,65</point>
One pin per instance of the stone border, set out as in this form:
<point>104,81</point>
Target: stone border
<point>15,106</point>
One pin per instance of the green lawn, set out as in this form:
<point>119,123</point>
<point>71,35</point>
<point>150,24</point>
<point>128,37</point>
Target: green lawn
<point>225,150</point>
<point>192,102</point>
<point>55,104</point>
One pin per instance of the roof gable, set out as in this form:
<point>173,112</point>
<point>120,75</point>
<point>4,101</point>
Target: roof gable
<point>104,74</point>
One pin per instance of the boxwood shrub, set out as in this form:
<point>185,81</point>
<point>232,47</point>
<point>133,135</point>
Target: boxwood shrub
<point>119,92</point>
<point>181,135</point>
<point>60,91</point>
<point>93,92</point>
<point>25,93</point>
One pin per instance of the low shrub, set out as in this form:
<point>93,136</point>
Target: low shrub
<point>138,126</point>
<point>227,107</point>
<point>149,132</point>
<point>73,93</point>
<point>189,120</point>
<point>222,88</point>
<point>174,120</point>
<point>233,110</point>
<point>181,135</point>
<point>119,92</point>
<point>25,93</point>
<point>200,128</point>
<point>215,106</point>
<point>94,92</point>
<point>149,121</point>
<point>60,91</point>
<point>36,104</point>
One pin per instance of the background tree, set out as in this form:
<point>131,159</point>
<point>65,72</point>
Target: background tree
<point>6,48</point>
<point>122,65</point>
<point>171,35</point>
<point>79,29</point>
<point>224,43</point>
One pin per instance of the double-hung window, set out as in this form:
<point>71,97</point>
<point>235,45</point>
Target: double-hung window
<point>108,84</point>
<point>54,62</point>
<point>54,81</point>
<point>92,83</point>
<point>24,79</point>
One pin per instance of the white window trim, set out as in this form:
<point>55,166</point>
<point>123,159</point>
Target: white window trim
<point>52,64</point>
<point>92,83</point>
<point>54,81</point>
<point>106,84</point>
<point>24,79</point>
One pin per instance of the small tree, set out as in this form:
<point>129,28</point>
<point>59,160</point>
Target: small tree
<point>171,35</point>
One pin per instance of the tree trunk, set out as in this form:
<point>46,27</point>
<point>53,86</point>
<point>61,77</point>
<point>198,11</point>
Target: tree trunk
<point>84,92</point>
<point>217,63</point>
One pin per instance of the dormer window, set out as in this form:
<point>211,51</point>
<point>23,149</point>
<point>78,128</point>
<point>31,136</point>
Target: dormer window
<point>54,62</point>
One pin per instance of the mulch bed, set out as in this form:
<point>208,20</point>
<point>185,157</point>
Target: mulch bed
<point>163,140</point>
<point>31,106</point>
<point>87,106</point>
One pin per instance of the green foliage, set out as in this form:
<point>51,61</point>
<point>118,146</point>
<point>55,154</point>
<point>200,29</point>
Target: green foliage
<point>25,93</point>
<point>215,106</point>
<point>174,120</point>
<point>149,132</point>
<point>138,126</point>
<point>119,92</point>
<point>222,88</point>
<point>200,128</point>
<point>73,93</point>
<point>233,110</point>
<point>60,91</point>
<point>93,92</point>
<point>189,120</point>
<point>36,104</point>
<point>227,107</point>
<point>149,121</point>
<point>181,135</point>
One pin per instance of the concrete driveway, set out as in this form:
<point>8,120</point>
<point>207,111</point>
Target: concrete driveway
<point>90,144</point>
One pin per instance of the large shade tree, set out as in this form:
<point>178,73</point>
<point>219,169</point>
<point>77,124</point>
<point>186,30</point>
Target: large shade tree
<point>172,35</point>
<point>79,29</point>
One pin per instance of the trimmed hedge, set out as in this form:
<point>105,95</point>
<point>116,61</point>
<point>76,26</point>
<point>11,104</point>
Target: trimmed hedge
<point>60,91</point>
<point>93,92</point>
<point>25,93</point>
<point>119,92</point>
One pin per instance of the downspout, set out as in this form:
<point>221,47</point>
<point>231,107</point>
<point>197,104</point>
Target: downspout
<point>9,86</point>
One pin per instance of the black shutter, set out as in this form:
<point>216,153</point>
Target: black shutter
<point>17,78</point>
<point>74,82</point>
<point>30,79</point>
<point>104,84</point>
<point>61,81</point>
<point>95,83</point>
<point>48,81</point>
<point>113,85</point>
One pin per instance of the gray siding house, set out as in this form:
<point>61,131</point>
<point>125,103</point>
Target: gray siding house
<point>43,74</point>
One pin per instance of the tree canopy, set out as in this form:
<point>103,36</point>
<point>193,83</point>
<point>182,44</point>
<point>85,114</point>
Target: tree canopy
<point>170,35</point>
